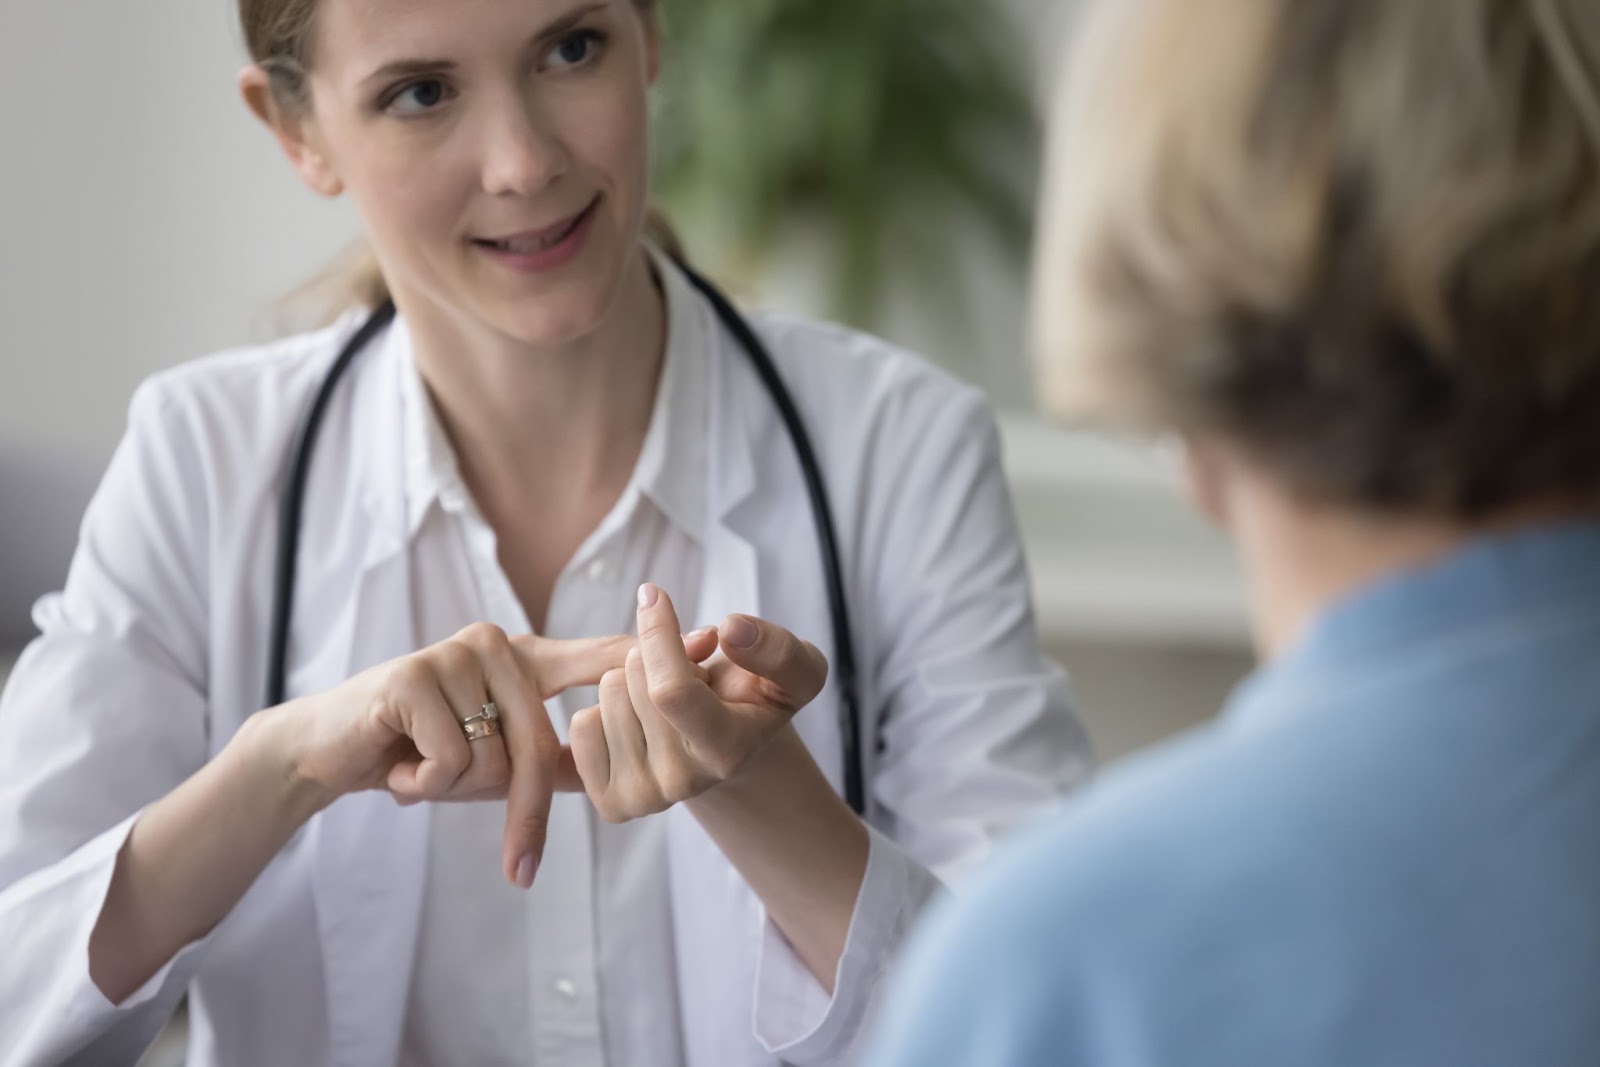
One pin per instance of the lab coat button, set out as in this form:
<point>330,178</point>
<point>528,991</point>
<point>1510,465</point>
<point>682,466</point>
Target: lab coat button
<point>599,571</point>
<point>566,989</point>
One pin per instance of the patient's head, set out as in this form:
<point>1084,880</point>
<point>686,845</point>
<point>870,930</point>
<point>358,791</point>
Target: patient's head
<point>1354,242</point>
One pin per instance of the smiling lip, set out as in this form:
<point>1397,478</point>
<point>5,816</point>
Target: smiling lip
<point>538,251</point>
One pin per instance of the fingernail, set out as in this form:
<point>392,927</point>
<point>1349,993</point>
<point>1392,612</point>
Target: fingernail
<point>648,594</point>
<point>702,632</point>
<point>740,632</point>
<point>525,870</point>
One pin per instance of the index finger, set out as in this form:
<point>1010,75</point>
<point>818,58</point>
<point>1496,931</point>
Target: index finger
<point>661,639</point>
<point>558,665</point>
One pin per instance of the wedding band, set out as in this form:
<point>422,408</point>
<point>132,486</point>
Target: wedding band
<point>477,728</point>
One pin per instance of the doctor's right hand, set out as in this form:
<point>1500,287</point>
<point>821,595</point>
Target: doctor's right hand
<point>398,726</point>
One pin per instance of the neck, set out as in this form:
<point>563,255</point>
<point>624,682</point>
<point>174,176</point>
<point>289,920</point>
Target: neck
<point>1300,563</point>
<point>1303,558</point>
<point>551,425</point>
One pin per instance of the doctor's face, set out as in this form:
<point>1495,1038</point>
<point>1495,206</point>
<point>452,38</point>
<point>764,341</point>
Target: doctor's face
<point>497,150</point>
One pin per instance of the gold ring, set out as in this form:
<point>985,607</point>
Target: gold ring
<point>477,728</point>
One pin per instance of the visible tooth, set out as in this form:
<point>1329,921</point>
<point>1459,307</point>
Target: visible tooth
<point>527,246</point>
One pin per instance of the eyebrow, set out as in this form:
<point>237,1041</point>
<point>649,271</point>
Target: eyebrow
<point>402,68</point>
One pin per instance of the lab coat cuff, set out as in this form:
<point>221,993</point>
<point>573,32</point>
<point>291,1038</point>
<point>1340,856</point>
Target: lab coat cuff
<point>79,886</point>
<point>795,1017</point>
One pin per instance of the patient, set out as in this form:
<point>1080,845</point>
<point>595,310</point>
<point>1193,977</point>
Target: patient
<point>1349,252</point>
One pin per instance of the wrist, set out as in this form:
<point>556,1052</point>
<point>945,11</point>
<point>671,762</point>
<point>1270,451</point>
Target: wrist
<point>268,746</point>
<point>775,769</point>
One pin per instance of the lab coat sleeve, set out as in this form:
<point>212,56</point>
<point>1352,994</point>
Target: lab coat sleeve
<point>104,713</point>
<point>976,731</point>
<point>796,1018</point>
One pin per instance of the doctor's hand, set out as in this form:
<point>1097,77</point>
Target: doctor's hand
<point>667,730</point>
<point>398,726</point>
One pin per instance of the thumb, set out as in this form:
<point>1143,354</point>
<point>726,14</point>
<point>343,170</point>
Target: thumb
<point>766,649</point>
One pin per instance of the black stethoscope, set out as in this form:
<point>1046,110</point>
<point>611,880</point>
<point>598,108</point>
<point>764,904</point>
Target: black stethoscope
<point>292,504</point>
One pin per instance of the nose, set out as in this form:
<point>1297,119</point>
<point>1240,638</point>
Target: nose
<point>523,153</point>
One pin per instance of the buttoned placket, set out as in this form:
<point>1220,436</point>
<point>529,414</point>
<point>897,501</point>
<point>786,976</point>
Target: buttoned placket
<point>561,906</point>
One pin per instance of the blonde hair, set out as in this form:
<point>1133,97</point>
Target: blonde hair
<point>1359,238</point>
<point>280,35</point>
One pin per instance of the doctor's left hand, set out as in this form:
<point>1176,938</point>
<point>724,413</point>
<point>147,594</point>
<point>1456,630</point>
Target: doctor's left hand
<point>666,730</point>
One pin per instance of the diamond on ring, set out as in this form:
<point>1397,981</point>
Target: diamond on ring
<point>490,711</point>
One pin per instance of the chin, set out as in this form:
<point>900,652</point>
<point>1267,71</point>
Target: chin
<point>553,320</point>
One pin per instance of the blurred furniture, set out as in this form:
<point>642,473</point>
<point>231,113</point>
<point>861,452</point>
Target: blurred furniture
<point>1138,597</point>
<point>1115,549</point>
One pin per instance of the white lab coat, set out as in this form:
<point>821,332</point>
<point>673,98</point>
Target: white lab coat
<point>152,656</point>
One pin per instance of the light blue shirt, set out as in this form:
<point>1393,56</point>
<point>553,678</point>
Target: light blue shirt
<point>1385,852</point>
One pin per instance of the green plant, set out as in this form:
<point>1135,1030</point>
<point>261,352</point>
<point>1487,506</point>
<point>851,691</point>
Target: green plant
<point>904,126</point>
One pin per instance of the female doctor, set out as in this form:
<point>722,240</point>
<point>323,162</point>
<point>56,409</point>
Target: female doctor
<point>554,422</point>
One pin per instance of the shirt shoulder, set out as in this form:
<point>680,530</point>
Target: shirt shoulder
<point>1123,931</point>
<point>241,378</point>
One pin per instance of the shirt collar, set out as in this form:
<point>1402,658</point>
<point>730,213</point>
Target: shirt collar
<point>672,465</point>
<point>671,470</point>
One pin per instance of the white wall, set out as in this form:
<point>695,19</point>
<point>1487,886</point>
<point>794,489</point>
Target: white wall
<point>145,218</point>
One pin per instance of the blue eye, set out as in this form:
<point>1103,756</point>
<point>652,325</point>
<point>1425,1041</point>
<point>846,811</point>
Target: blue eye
<point>418,97</point>
<point>576,48</point>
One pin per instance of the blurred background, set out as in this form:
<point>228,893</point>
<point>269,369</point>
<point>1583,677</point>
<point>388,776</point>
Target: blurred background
<point>869,160</point>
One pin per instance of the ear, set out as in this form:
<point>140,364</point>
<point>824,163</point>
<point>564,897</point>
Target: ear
<point>1207,473</point>
<point>294,131</point>
<point>652,45</point>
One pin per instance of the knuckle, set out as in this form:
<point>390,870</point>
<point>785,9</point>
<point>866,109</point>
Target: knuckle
<point>455,658</point>
<point>538,748</point>
<point>614,683</point>
<point>774,695</point>
<point>533,824</point>
<point>433,783</point>
<point>640,799</point>
<point>456,759</point>
<point>609,810</point>
<point>483,636</point>
<point>677,693</point>
<point>409,674</point>
<point>585,728</point>
<point>546,751</point>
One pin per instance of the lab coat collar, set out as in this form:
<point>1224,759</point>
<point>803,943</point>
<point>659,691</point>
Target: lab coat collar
<point>672,465</point>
